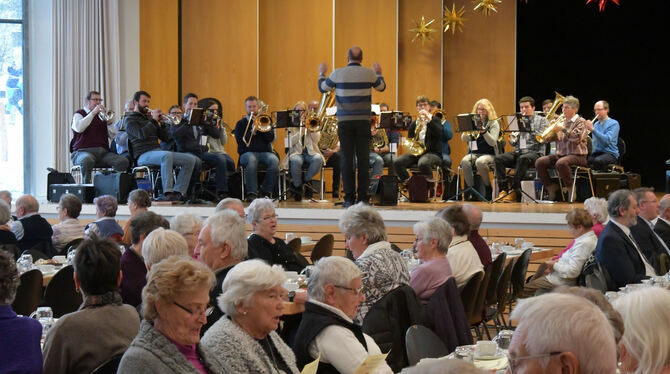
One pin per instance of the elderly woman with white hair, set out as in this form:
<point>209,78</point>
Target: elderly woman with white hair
<point>106,225</point>
<point>161,244</point>
<point>645,345</point>
<point>245,337</point>
<point>189,226</point>
<point>597,208</point>
<point>383,268</point>
<point>69,228</point>
<point>462,255</point>
<point>431,243</point>
<point>175,306</point>
<point>6,234</point>
<point>327,329</point>
<point>262,242</point>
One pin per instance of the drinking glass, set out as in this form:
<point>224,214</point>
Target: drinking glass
<point>70,256</point>
<point>504,338</point>
<point>24,263</point>
<point>464,353</point>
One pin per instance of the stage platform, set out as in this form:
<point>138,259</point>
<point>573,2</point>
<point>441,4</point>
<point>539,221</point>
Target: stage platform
<point>499,215</point>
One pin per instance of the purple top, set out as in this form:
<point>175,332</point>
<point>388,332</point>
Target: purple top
<point>134,277</point>
<point>191,354</point>
<point>426,278</point>
<point>481,247</point>
<point>20,350</point>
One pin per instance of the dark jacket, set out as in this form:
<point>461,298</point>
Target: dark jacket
<point>433,140</point>
<point>274,254</point>
<point>447,315</point>
<point>260,142</point>
<point>649,244</point>
<point>36,230</point>
<point>185,138</point>
<point>389,319</point>
<point>663,230</point>
<point>144,132</point>
<point>213,296</point>
<point>617,253</point>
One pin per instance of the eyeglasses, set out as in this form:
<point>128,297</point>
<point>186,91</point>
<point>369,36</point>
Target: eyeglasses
<point>513,363</point>
<point>357,291</point>
<point>274,216</point>
<point>196,312</point>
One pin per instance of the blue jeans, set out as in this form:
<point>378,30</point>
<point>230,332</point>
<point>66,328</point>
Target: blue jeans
<point>250,162</point>
<point>314,163</point>
<point>223,163</point>
<point>167,160</point>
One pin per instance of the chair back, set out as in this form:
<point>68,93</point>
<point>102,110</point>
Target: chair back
<point>469,293</point>
<point>73,244</point>
<point>503,287</point>
<point>61,294</point>
<point>519,273</point>
<point>477,313</point>
<point>108,367</point>
<point>323,248</point>
<point>295,245</point>
<point>36,253</point>
<point>447,316</point>
<point>496,270</point>
<point>421,342</point>
<point>29,293</point>
<point>621,146</point>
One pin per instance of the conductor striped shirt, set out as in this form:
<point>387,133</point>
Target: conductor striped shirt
<point>353,90</point>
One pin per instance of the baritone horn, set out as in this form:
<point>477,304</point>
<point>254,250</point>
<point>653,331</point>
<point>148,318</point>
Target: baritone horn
<point>549,134</point>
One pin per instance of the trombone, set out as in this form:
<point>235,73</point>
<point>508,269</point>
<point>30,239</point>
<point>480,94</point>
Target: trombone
<point>263,123</point>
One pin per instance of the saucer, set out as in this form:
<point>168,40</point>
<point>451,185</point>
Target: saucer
<point>498,355</point>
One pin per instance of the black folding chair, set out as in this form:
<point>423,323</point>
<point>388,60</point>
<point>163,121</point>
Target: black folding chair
<point>29,293</point>
<point>61,294</point>
<point>421,342</point>
<point>323,248</point>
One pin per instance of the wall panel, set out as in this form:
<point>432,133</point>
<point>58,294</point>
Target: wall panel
<point>219,54</point>
<point>480,62</point>
<point>371,25</point>
<point>159,67</point>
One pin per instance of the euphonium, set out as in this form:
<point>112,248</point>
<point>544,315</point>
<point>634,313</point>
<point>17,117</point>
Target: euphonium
<point>415,146</point>
<point>549,134</point>
<point>379,140</point>
<point>329,138</point>
<point>315,120</point>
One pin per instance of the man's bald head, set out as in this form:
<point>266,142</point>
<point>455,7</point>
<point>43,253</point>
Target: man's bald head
<point>355,54</point>
<point>474,216</point>
<point>26,204</point>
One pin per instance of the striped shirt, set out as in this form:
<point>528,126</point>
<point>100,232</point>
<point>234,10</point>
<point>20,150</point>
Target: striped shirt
<point>353,90</point>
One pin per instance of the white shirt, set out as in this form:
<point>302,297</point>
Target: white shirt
<point>568,267</point>
<point>648,269</point>
<point>339,347</point>
<point>80,123</point>
<point>463,259</point>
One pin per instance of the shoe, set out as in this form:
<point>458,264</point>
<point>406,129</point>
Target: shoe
<point>297,193</point>
<point>250,197</point>
<point>266,194</point>
<point>511,197</point>
<point>347,203</point>
<point>162,197</point>
<point>502,195</point>
<point>488,192</point>
<point>336,195</point>
<point>309,193</point>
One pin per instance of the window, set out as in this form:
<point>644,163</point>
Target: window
<point>11,96</point>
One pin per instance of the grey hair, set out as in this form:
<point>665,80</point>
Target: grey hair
<point>567,323</point>
<point>646,336</point>
<point>106,204</point>
<point>184,223</point>
<point>618,200</point>
<point>640,192</point>
<point>435,228</point>
<point>475,215</point>
<point>597,207</point>
<point>228,201</point>
<point>362,219</point>
<point>140,197</point>
<point>29,203</point>
<point>244,280</point>
<point>5,212</point>
<point>257,208</point>
<point>571,101</point>
<point>71,203</point>
<point>161,244</point>
<point>227,227</point>
<point>665,203</point>
<point>335,270</point>
<point>5,193</point>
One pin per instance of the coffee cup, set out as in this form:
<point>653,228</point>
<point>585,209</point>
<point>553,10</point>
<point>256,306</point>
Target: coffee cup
<point>486,348</point>
<point>305,239</point>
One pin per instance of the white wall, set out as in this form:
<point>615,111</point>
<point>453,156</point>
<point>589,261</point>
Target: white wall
<point>40,76</point>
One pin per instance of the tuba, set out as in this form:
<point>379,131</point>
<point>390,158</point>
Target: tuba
<point>315,121</point>
<point>549,134</point>
<point>329,138</point>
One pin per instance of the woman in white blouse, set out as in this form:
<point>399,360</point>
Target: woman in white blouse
<point>462,255</point>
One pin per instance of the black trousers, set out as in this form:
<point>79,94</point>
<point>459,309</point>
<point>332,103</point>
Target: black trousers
<point>519,161</point>
<point>600,160</point>
<point>355,141</point>
<point>335,162</point>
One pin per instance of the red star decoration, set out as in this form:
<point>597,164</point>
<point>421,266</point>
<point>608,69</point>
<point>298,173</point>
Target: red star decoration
<point>602,3</point>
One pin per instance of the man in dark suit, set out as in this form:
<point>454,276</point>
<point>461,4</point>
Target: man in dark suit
<point>617,250</point>
<point>31,229</point>
<point>650,244</point>
<point>662,227</point>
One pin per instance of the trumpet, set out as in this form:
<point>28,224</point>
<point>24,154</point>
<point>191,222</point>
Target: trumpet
<point>165,118</point>
<point>105,114</point>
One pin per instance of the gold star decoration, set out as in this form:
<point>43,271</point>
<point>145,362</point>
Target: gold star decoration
<point>453,19</point>
<point>422,30</point>
<point>486,5</point>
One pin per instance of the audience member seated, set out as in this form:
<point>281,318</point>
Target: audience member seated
<point>20,350</point>
<point>651,245</point>
<point>645,346</point>
<point>161,244</point>
<point>222,244</point>
<point>103,326</point>
<point>6,196</point>
<point>132,264</point>
<point>69,228</point>
<point>188,225</point>
<point>174,303</point>
<point>234,204</point>
<point>105,226</point>
<point>565,271</point>
<point>138,201</point>
<point>662,226</point>
<point>561,333</point>
<point>6,234</point>
<point>245,338</point>
<point>462,254</point>
<point>30,228</point>
<point>433,236</point>
<point>262,242</point>
<point>597,207</point>
<point>617,250</point>
<point>327,330</point>
<point>475,219</point>
<point>383,268</point>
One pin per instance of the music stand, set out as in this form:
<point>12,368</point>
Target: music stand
<point>195,116</point>
<point>466,123</point>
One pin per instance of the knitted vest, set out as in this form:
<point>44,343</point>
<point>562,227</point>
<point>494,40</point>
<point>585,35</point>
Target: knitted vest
<point>95,134</point>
